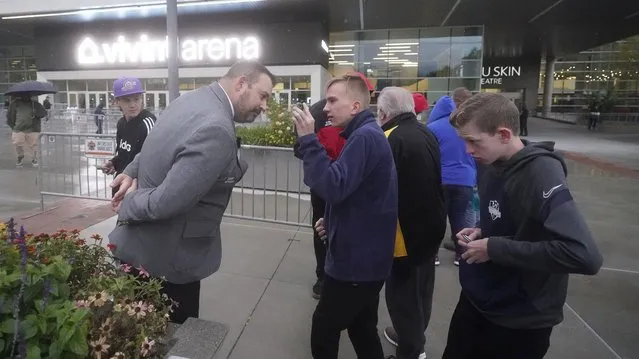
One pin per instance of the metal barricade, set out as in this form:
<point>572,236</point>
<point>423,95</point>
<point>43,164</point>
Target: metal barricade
<point>81,123</point>
<point>272,190</point>
<point>69,165</point>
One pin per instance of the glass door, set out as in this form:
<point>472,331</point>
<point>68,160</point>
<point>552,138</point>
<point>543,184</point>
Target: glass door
<point>96,98</point>
<point>150,101</point>
<point>283,97</point>
<point>161,104</point>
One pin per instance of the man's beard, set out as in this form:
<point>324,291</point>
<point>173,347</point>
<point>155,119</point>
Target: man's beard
<point>244,114</point>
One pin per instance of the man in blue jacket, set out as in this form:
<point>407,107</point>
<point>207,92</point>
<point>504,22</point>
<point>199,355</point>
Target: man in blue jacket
<point>360,190</point>
<point>458,167</point>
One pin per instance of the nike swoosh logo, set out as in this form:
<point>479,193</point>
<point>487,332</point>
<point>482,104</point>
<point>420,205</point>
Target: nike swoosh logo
<point>547,194</point>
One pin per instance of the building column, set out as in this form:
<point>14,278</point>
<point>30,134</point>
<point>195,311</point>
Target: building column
<point>173,52</point>
<point>549,80</point>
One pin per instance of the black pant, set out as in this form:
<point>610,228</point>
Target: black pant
<point>523,126</point>
<point>318,205</point>
<point>409,298</point>
<point>186,295</point>
<point>592,122</point>
<point>351,306</point>
<point>472,336</point>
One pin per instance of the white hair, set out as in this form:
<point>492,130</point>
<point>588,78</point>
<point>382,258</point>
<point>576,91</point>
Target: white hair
<point>394,101</point>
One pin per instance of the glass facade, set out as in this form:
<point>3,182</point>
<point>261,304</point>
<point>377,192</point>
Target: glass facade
<point>611,67</point>
<point>17,64</point>
<point>433,61</point>
<point>89,93</point>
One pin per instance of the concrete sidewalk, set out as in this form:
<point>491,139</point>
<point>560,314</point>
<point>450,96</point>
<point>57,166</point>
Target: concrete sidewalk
<point>616,148</point>
<point>263,292</point>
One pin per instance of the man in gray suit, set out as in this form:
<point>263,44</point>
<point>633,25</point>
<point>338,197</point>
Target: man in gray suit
<point>173,195</point>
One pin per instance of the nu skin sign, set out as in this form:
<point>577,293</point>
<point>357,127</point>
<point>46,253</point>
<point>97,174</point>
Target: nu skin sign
<point>494,75</point>
<point>91,52</point>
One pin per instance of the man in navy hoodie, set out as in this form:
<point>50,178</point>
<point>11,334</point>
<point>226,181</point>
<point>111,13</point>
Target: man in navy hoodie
<point>360,190</point>
<point>458,167</point>
<point>514,272</point>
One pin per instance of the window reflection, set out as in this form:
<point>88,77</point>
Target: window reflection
<point>428,60</point>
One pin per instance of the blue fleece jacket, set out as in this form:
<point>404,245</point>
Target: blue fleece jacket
<point>458,167</point>
<point>360,190</point>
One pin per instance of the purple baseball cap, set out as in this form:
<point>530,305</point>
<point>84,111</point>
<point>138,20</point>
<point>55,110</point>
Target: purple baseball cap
<point>125,86</point>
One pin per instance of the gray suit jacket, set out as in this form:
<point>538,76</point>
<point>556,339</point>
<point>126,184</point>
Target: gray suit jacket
<point>186,172</point>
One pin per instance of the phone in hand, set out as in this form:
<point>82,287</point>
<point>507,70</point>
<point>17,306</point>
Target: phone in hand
<point>466,238</point>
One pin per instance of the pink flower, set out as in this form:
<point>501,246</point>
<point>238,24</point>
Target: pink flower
<point>138,310</point>
<point>143,272</point>
<point>125,268</point>
<point>146,347</point>
<point>111,247</point>
<point>82,304</point>
<point>150,308</point>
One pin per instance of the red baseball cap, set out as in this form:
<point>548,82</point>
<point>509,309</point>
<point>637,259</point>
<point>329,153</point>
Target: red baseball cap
<point>363,77</point>
<point>420,102</point>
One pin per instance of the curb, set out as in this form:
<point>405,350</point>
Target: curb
<point>67,214</point>
<point>603,165</point>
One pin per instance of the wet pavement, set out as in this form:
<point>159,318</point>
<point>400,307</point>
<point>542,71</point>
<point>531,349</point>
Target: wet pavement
<point>263,287</point>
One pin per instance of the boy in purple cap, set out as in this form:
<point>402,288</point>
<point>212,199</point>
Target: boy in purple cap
<point>133,127</point>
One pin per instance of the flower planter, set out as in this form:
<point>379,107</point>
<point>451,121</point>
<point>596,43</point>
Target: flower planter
<point>63,298</point>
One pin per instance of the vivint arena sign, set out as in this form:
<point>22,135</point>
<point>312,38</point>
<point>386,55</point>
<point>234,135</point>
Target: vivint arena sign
<point>148,51</point>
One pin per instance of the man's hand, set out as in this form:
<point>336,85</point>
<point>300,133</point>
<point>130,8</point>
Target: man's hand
<point>472,233</point>
<point>134,186</point>
<point>108,168</point>
<point>304,121</point>
<point>476,251</point>
<point>125,182</point>
<point>319,227</point>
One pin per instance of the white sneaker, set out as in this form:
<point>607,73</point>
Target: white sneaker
<point>422,356</point>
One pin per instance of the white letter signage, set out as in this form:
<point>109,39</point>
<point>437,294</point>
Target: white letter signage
<point>149,51</point>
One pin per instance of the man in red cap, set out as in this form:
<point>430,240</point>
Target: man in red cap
<point>331,140</point>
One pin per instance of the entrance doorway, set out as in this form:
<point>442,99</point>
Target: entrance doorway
<point>283,97</point>
<point>77,100</point>
<point>156,100</point>
<point>96,98</point>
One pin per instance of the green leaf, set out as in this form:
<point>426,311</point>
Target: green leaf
<point>55,350</point>
<point>33,351</point>
<point>42,324</point>
<point>8,326</point>
<point>29,326</point>
<point>78,343</point>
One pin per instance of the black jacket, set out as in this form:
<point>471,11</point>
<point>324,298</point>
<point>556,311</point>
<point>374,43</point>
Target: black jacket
<point>421,212</point>
<point>130,138</point>
<point>536,237</point>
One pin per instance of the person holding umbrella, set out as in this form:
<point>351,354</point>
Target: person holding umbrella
<point>24,117</point>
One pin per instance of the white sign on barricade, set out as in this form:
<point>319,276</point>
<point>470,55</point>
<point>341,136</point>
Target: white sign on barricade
<point>99,148</point>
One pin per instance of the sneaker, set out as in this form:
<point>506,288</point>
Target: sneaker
<point>34,163</point>
<point>437,262</point>
<point>421,356</point>
<point>19,162</point>
<point>391,335</point>
<point>317,289</point>
<point>456,260</point>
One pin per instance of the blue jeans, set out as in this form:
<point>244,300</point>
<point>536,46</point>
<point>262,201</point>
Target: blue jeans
<point>457,201</point>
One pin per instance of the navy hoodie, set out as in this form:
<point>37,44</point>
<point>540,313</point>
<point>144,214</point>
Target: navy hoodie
<point>536,238</point>
<point>360,190</point>
<point>458,167</point>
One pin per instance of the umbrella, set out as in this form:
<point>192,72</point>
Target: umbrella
<point>34,88</point>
